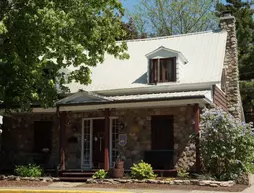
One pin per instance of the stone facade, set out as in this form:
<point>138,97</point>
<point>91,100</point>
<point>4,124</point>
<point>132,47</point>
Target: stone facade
<point>137,126</point>
<point>227,22</point>
<point>18,140</point>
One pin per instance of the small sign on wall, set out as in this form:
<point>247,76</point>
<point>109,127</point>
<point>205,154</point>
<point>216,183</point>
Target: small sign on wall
<point>122,139</point>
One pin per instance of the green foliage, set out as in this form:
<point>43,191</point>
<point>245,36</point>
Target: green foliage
<point>142,170</point>
<point>169,17</point>
<point>183,174</point>
<point>101,174</point>
<point>243,12</point>
<point>29,170</point>
<point>227,145</point>
<point>40,39</point>
<point>131,31</point>
<point>247,94</point>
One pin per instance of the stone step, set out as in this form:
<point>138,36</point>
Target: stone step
<point>74,179</point>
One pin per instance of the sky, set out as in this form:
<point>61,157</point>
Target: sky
<point>128,4</point>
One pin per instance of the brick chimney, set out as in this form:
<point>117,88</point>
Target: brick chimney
<point>227,22</point>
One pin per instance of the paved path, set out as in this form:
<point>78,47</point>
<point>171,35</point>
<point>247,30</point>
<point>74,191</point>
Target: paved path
<point>63,187</point>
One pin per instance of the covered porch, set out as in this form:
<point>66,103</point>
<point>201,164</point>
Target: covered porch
<point>160,132</point>
<point>85,136</point>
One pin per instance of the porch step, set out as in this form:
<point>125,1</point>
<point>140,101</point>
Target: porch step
<point>81,174</point>
<point>74,179</point>
<point>75,175</point>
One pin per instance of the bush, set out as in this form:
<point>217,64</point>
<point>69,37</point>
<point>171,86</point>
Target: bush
<point>101,174</point>
<point>142,170</point>
<point>183,174</point>
<point>227,145</point>
<point>29,170</point>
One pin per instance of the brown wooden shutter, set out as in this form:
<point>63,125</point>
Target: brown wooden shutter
<point>174,69</point>
<point>151,69</point>
<point>155,64</point>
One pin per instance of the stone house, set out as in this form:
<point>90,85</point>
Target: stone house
<point>144,108</point>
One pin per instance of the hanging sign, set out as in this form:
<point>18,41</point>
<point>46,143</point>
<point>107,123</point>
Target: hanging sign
<point>122,139</point>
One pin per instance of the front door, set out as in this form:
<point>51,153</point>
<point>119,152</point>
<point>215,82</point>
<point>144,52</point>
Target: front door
<point>98,143</point>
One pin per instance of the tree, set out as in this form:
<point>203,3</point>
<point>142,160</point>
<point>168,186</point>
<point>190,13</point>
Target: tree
<point>169,17</point>
<point>39,38</point>
<point>243,12</point>
<point>131,31</point>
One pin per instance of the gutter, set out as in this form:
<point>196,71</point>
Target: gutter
<point>135,100</point>
<point>176,87</point>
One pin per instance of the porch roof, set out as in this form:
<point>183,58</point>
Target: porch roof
<point>90,98</point>
<point>83,102</point>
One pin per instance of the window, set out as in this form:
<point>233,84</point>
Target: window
<point>163,70</point>
<point>42,136</point>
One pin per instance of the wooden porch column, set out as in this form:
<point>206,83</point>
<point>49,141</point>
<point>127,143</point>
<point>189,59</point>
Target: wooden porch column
<point>62,139</point>
<point>106,140</point>
<point>197,141</point>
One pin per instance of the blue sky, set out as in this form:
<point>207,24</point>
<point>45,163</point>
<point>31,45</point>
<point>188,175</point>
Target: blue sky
<point>128,4</point>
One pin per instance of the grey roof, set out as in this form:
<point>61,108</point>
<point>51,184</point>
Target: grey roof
<point>83,97</point>
<point>204,51</point>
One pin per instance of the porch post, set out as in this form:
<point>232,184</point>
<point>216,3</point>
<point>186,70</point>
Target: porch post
<point>197,141</point>
<point>62,139</point>
<point>106,140</point>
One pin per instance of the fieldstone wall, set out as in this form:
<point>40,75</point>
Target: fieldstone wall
<point>138,128</point>
<point>227,22</point>
<point>18,136</point>
<point>18,140</point>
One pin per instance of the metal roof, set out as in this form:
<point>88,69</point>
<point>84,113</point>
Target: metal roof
<point>204,51</point>
<point>86,98</point>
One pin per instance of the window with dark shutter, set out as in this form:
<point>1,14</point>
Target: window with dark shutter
<point>162,70</point>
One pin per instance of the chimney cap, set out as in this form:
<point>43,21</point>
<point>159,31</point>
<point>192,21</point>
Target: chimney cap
<point>226,14</point>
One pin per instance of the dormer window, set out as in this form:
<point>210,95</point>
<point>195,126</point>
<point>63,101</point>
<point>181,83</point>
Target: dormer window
<point>162,70</point>
<point>164,65</point>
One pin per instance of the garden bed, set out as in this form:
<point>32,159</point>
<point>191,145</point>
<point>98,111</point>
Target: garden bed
<point>165,181</point>
<point>31,179</point>
<point>22,183</point>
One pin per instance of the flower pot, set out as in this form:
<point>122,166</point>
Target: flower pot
<point>117,173</point>
<point>119,165</point>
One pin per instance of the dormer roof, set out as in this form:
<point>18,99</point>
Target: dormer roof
<point>170,51</point>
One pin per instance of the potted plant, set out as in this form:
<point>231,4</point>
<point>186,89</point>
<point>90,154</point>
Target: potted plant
<point>120,161</point>
<point>118,170</point>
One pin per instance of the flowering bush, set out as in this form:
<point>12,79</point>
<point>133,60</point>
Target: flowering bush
<point>227,144</point>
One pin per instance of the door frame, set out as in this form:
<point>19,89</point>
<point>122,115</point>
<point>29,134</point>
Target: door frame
<point>91,141</point>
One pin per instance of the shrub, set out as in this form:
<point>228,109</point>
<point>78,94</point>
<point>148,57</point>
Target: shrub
<point>101,174</point>
<point>29,170</point>
<point>183,174</point>
<point>142,170</point>
<point>226,144</point>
